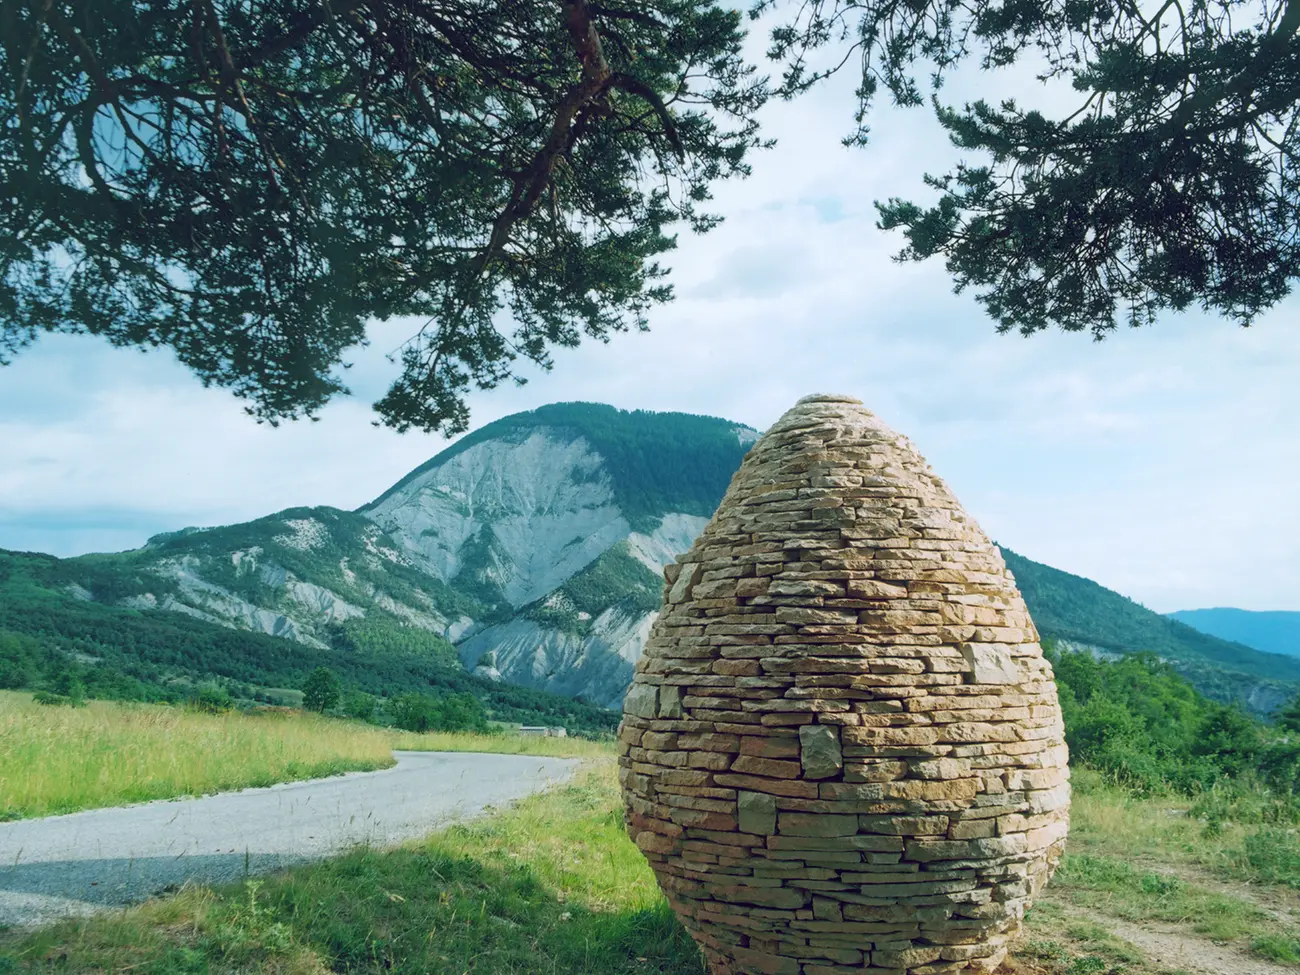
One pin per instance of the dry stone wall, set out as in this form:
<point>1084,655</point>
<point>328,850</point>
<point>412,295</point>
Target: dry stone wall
<point>842,751</point>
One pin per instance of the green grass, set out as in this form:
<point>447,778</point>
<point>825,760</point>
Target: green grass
<point>1116,888</point>
<point>1126,853</point>
<point>59,759</point>
<point>1231,839</point>
<point>1061,945</point>
<point>552,887</point>
<point>1269,855</point>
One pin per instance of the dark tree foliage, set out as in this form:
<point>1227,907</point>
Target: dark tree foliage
<point>247,182</point>
<point>451,712</point>
<point>1288,716</point>
<point>321,690</point>
<point>1137,720</point>
<point>1172,183</point>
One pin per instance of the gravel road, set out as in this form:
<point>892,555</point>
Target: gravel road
<point>89,861</point>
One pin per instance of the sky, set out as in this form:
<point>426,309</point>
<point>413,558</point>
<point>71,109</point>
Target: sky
<point>1162,462</point>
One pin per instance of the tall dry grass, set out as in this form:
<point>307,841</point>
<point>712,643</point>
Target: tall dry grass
<point>61,759</point>
<point>507,743</point>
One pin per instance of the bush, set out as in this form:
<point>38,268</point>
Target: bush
<point>452,712</point>
<point>359,705</point>
<point>211,699</point>
<point>321,690</point>
<point>68,683</point>
<point>58,700</point>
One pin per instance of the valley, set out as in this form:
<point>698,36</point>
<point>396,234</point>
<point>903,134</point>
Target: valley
<point>522,565</point>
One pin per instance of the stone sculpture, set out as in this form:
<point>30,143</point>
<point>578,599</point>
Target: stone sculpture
<point>842,750</point>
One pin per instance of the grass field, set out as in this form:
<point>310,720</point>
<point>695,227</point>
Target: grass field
<point>62,759</point>
<point>506,744</point>
<point>554,886</point>
<point>1145,879</point>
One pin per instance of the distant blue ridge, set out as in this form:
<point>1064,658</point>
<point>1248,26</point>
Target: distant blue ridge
<point>1272,631</point>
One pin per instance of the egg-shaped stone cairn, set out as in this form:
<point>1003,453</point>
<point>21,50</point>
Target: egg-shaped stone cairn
<point>842,749</point>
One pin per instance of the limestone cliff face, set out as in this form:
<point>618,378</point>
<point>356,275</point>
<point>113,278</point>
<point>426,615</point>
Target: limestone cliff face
<point>300,574</point>
<point>521,517</point>
<point>842,749</point>
<point>560,549</point>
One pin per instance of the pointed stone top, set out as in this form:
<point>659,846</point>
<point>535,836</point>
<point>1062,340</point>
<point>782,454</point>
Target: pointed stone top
<point>829,398</point>
<point>820,419</point>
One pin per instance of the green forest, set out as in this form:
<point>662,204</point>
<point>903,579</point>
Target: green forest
<point>52,641</point>
<point>1137,720</point>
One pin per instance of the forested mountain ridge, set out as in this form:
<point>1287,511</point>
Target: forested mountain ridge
<point>534,545</point>
<point>1076,610</point>
<point>656,462</point>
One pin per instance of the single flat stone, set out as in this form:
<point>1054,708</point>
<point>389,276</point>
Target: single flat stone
<point>757,813</point>
<point>642,700</point>
<point>819,751</point>
<point>991,663</point>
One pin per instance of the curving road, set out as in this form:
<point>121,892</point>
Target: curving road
<point>89,861</point>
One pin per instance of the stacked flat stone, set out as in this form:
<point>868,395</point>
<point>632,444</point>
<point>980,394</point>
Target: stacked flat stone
<point>842,751</point>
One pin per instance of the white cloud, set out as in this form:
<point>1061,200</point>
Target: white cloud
<point>1160,462</point>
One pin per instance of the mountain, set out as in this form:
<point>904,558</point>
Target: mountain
<point>1077,611</point>
<point>534,545</point>
<point>558,523</point>
<point>1276,631</point>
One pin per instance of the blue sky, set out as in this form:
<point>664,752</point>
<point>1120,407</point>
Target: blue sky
<point>1161,462</point>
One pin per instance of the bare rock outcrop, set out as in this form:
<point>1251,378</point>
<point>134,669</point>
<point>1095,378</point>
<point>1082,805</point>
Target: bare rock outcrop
<point>842,751</point>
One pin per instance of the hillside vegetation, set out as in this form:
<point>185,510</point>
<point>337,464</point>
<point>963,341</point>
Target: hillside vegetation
<point>1146,728</point>
<point>50,639</point>
<point>1067,607</point>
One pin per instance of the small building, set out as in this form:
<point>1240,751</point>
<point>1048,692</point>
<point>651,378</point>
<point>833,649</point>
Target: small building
<point>543,731</point>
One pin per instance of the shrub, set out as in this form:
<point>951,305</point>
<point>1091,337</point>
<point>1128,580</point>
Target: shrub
<point>58,700</point>
<point>211,699</point>
<point>359,705</point>
<point>321,690</point>
<point>452,712</point>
